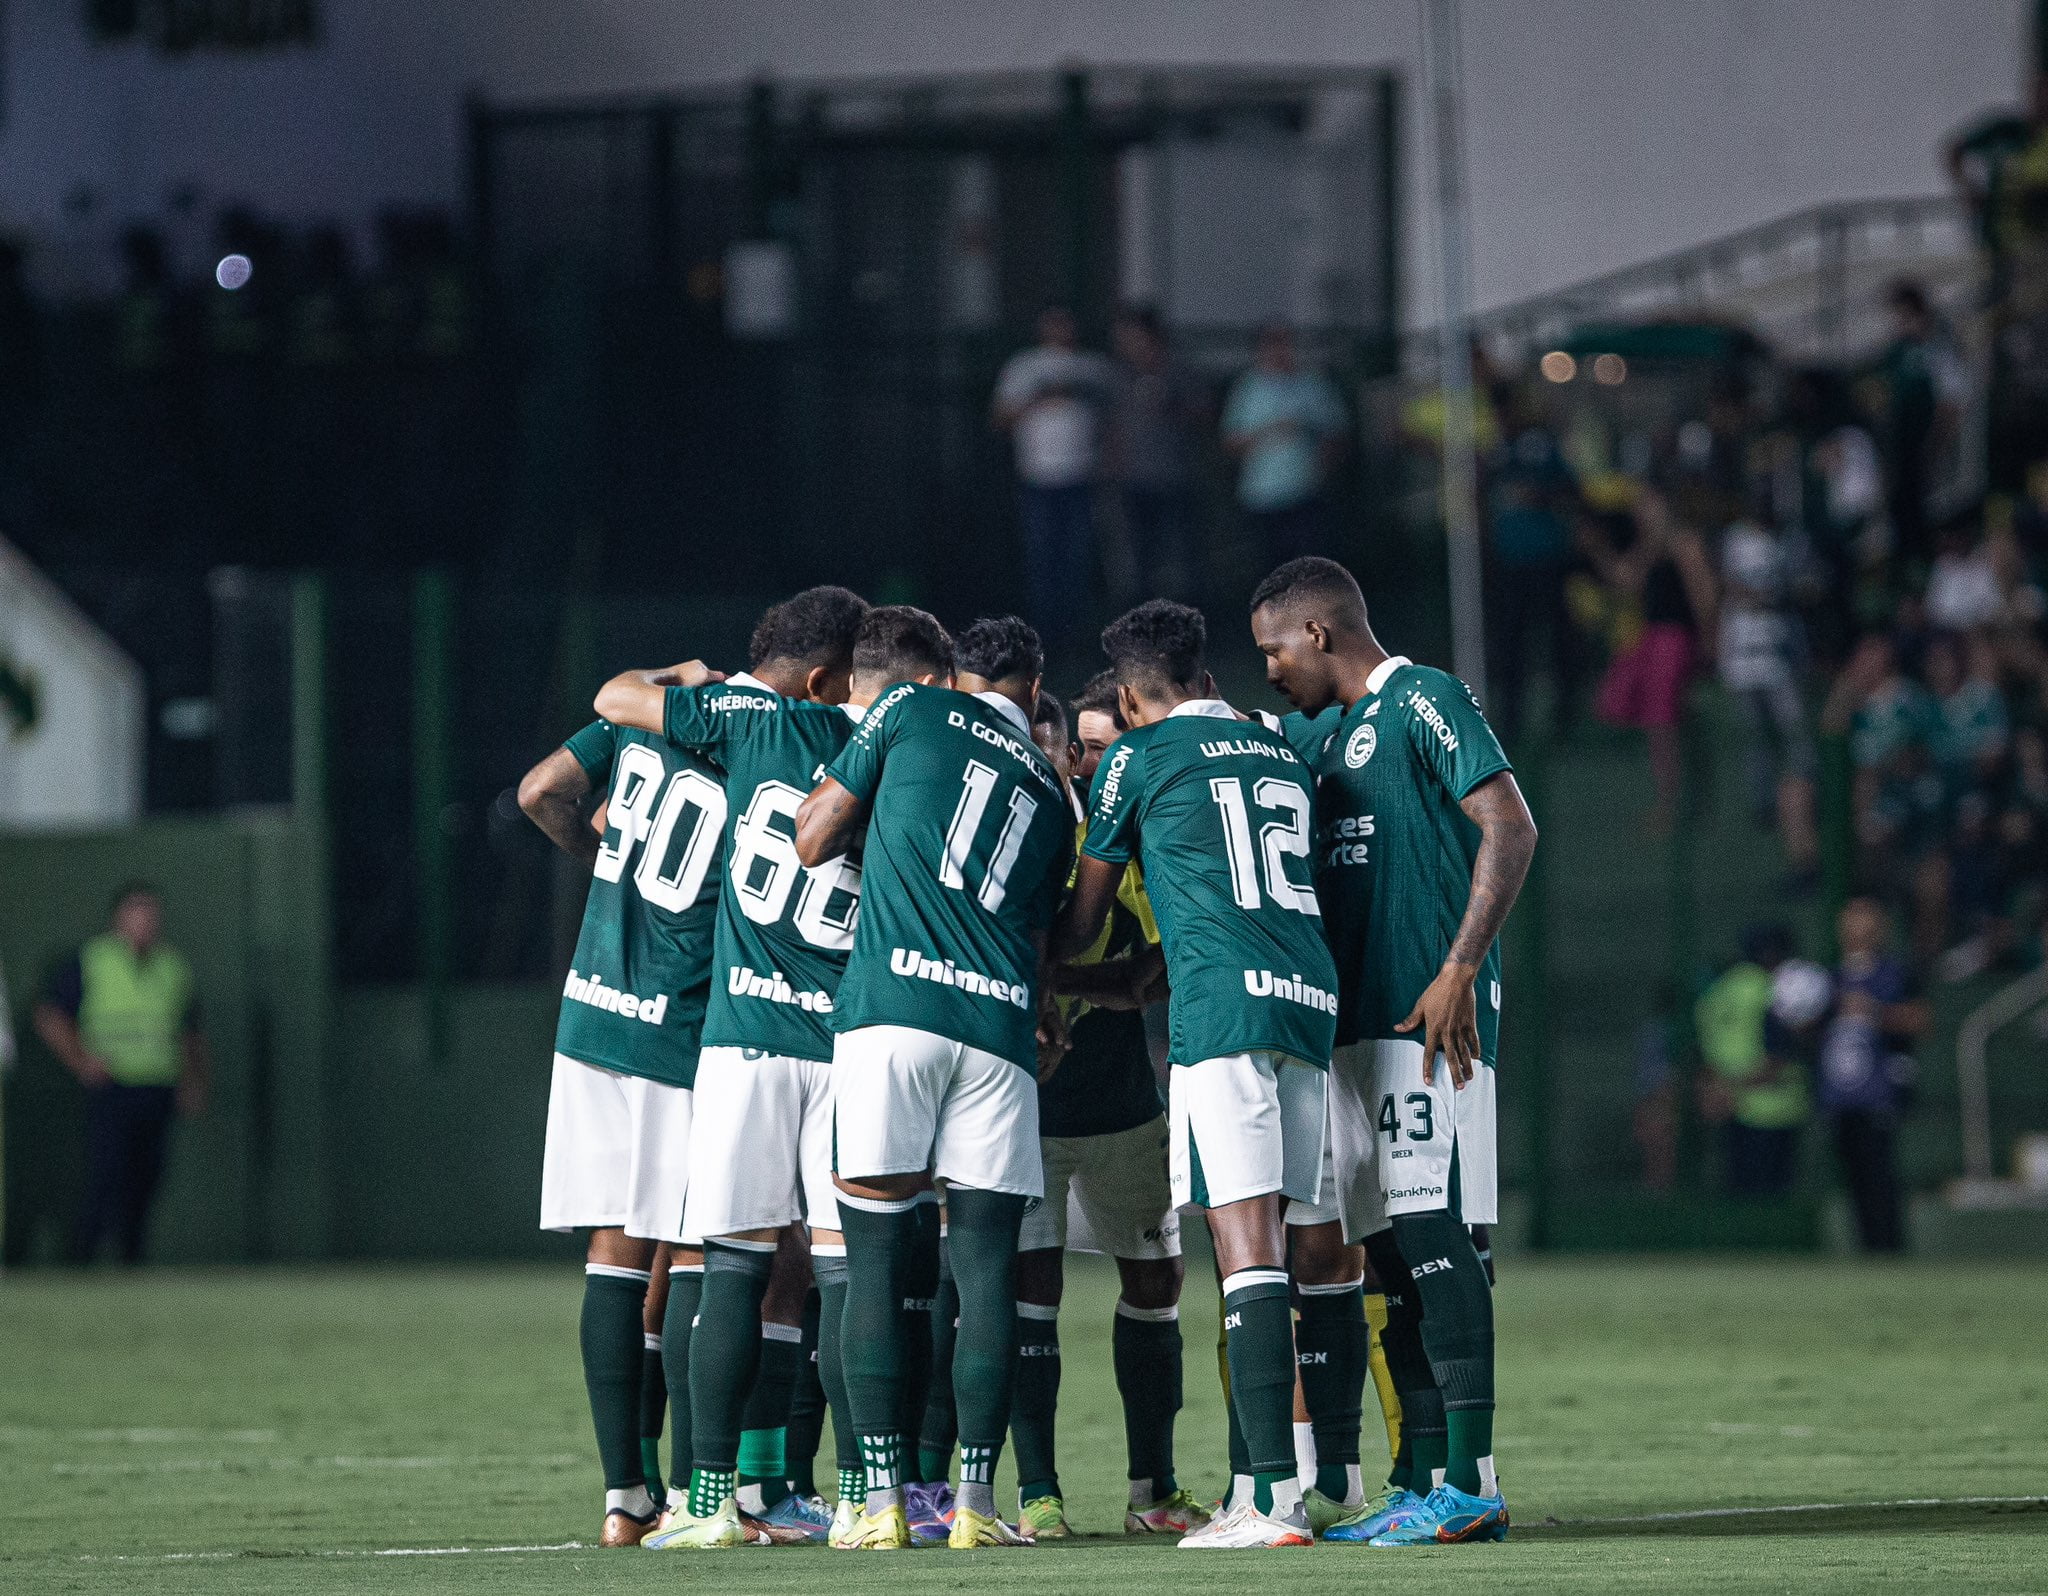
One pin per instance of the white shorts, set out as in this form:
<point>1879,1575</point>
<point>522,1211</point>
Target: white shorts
<point>907,1100</point>
<point>1444,1148</point>
<point>618,1153</point>
<point>1346,1188</point>
<point>760,1144</point>
<point>1245,1125</point>
<point>1106,1194</point>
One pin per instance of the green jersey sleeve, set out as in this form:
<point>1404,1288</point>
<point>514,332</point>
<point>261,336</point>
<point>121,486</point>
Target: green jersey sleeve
<point>594,748</point>
<point>1113,807</point>
<point>1450,735</point>
<point>859,766</point>
<point>695,718</point>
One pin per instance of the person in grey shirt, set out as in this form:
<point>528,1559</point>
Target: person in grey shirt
<point>1157,407</point>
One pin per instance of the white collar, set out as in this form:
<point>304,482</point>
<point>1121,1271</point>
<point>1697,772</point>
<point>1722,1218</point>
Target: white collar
<point>1384,669</point>
<point>997,701</point>
<point>855,712</point>
<point>1214,708</point>
<point>749,679</point>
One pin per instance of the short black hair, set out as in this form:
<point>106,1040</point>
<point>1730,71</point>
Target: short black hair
<point>1002,648</point>
<point>816,627</point>
<point>1310,577</point>
<point>900,641</point>
<point>1098,696</point>
<point>1050,713</point>
<point>1157,645</point>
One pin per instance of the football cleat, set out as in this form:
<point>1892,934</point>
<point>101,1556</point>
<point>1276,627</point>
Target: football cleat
<point>930,1511</point>
<point>1394,1505</point>
<point>886,1531</point>
<point>844,1514</point>
<point>1170,1515</point>
<point>1246,1527</point>
<point>1446,1517</point>
<point>972,1529</point>
<point>623,1529</point>
<point>717,1530</point>
<point>1324,1511</point>
<point>1043,1518</point>
<point>797,1518</point>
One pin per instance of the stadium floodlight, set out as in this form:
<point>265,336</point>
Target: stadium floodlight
<point>1442,53</point>
<point>233,272</point>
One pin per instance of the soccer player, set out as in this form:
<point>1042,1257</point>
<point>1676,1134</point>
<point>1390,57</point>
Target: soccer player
<point>617,1151</point>
<point>1218,812</point>
<point>967,847</point>
<point>1102,1142</point>
<point>1423,842</point>
<point>761,1138</point>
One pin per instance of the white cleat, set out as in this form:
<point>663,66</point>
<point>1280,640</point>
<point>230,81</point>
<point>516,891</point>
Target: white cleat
<point>1246,1527</point>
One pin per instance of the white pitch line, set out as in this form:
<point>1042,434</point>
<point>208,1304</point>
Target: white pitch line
<point>1802,1507</point>
<point>389,1551</point>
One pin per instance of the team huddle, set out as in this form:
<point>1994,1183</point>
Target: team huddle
<point>853,1048</point>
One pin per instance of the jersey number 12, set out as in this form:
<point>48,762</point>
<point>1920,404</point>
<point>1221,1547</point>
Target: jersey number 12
<point>1279,841</point>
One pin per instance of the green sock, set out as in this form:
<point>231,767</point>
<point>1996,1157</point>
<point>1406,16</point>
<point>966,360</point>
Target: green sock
<point>1261,1326</point>
<point>1037,1401</point>
<point>853,1480</point>
<point>724,1354</point>
<point>1145,1348</point>
<point>1422,1405</point>
<point>613,1301</point>
<point>806,1425</point>
<point>829,1269</point>
<point>941,1427</point>
<point>880,1237</point>
<point>653,1410</point>
<point>982,1229</point>
<point>1457,1331</point>
<point>1330,1349</point>
<point>920,1296</point>
<point>708,1490</point>
<point>685,1289</point>
<point>764,1421</point>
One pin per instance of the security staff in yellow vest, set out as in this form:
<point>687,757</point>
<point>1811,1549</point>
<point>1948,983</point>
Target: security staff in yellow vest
<point>121,1017</point>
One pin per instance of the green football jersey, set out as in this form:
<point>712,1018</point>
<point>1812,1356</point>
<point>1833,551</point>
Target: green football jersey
<point>1393,849</point>
<point>634,1000</point>
<point>783,931</point>
<point>968,846</point>
<point>1219,812</point>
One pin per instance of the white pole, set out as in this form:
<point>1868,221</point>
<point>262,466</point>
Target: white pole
<point>1442,55</point>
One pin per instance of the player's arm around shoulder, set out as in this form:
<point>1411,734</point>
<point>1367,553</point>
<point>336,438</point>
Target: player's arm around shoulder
<point>832,819</point>
<point>639,698</point>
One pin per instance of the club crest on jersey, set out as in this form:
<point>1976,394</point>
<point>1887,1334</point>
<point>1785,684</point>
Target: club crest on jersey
<point>1358,749</point>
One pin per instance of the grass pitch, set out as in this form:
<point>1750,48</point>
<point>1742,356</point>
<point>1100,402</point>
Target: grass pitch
<point>1664,1426</point>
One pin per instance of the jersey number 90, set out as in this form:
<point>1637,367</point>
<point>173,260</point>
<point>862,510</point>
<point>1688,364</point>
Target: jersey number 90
<point>643,809</point>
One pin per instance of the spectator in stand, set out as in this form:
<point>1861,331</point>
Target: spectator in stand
<point>1158,405</point>
<point>1841,495</point>
<point>122,1017</point>
<point>1532,506</point>
<point>1654,1122</point>
<point>1664,573</point>
<point>1963,588</point>
<point>1050,399</point>
<point>1754,1089</point>
<point>1761,658</point>
<point>1867,1068</point>
<point>1285,428</point>
<point>1924,389</point>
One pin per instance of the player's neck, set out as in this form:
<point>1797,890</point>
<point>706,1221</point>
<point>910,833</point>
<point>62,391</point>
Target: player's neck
<point>1354,670</point>
<point>790,678</point>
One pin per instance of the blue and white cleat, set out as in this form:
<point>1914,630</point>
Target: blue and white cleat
<point>1448,1516</point>
<point>799,1518</point>
<point>1395,1505</point>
